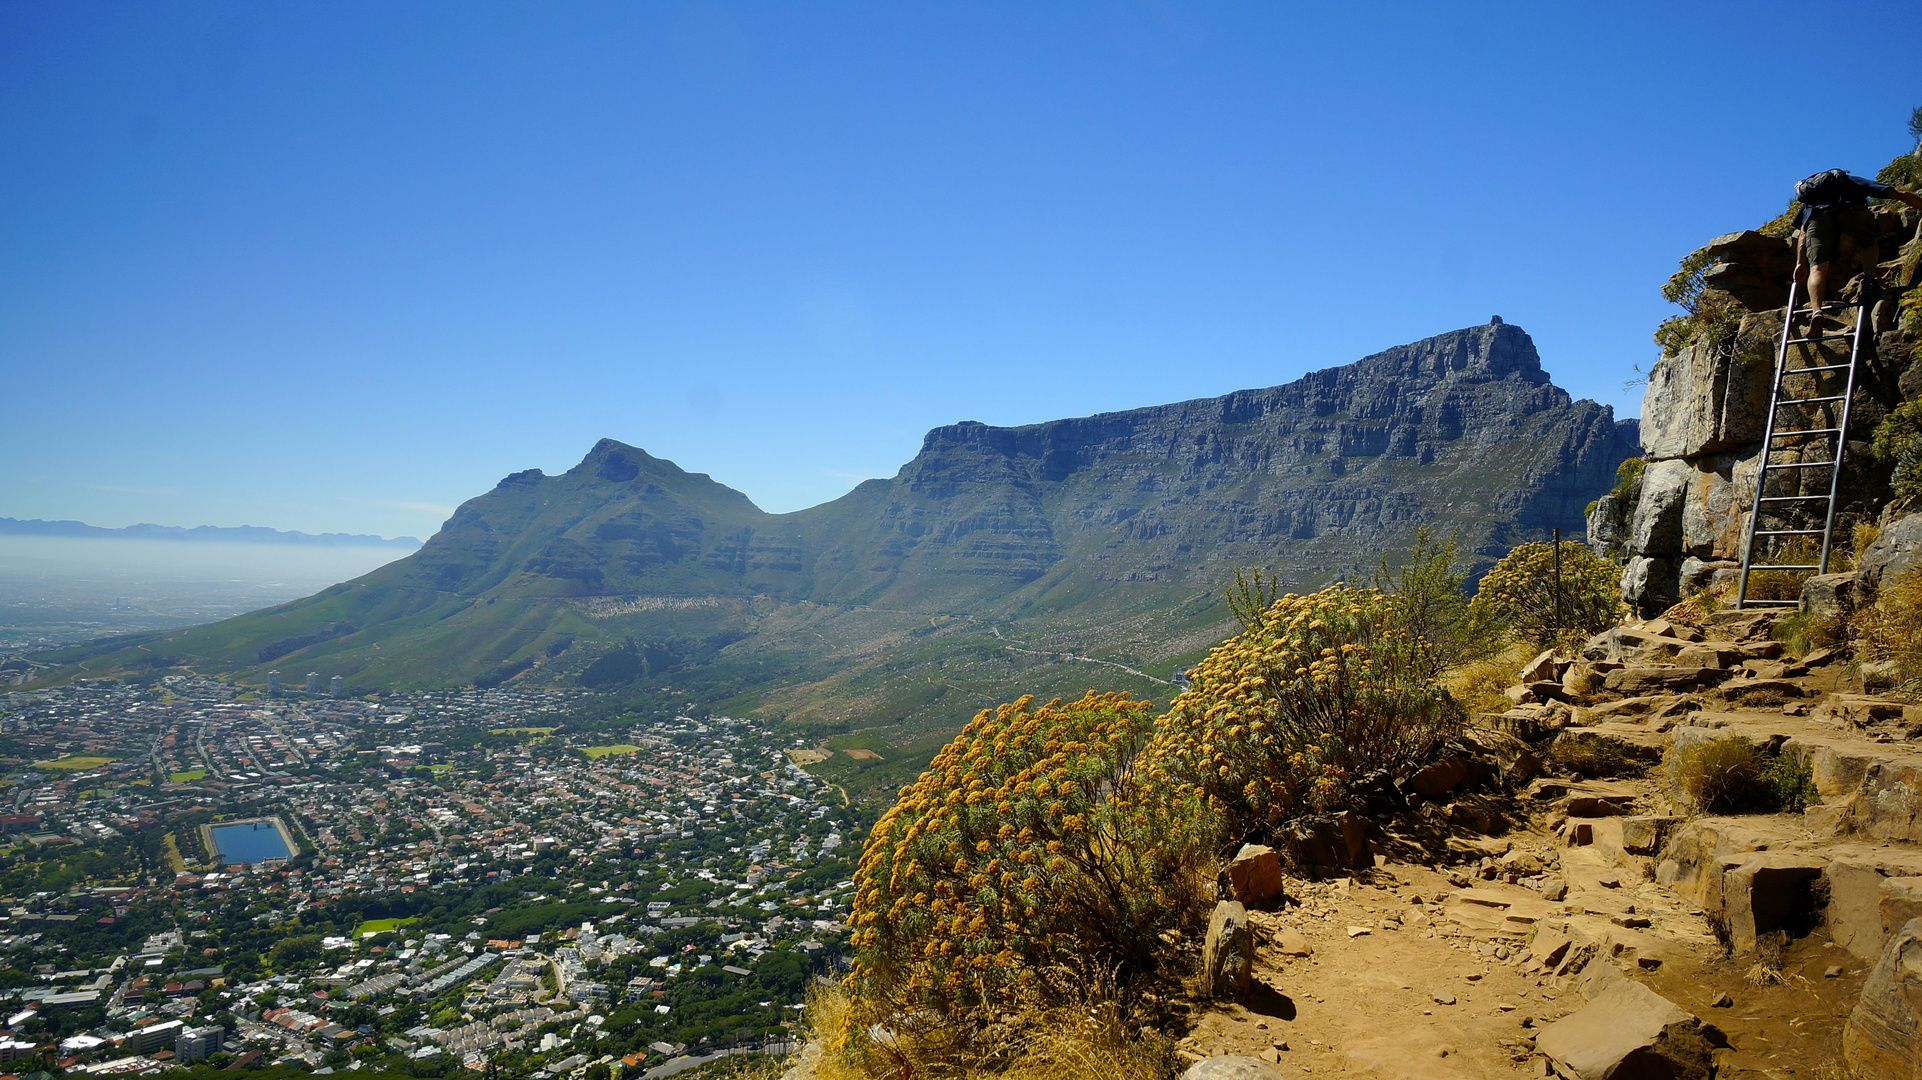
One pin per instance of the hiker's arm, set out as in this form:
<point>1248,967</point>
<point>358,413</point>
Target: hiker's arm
<point>1908,197</point>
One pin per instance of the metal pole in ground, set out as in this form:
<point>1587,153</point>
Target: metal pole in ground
<point>1558,579</point>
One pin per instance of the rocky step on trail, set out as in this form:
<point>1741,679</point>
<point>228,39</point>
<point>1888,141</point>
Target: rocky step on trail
<point>1613,931</point>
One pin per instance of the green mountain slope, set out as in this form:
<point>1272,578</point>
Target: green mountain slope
<point>1045,559</point>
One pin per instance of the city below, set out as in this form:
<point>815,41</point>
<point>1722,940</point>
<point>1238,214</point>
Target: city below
<point>516,881</point>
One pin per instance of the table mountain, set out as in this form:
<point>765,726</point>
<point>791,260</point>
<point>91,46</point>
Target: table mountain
<point>1047,557</point>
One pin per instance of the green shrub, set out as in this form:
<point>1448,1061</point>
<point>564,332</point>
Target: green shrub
<point>1427,601</point>
<point>1521,593</point>
<point>1898,444</point>
<point>1281,718</point>
<point>1735,776</point>
<point>1711,316</point>
<point>1027,856</point>
<point>1801,633</point>
<point>1791,781</point>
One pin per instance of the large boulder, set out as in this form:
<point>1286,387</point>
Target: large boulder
<point>1711,511</point>
<point>1883,1038</point>
<point>1896,551</point>
<point>1608,523</point>
<point>1646,833</point>
<point>1627,645</point>
<point>1829,596</point>
<point>1629,1032</point>
<point>1899,901</point>
<point>1327,843</point>
<point>1703,400</point>
<point>1656,528</point>
<point>1699,574</point>
<point>1752,267</point>
<point>1872,892</point>
<point>1255,875</point>
<point>1228,952</point>
<point>1637,681</point>
<point>1438,778</point>
<point>1650,584</point>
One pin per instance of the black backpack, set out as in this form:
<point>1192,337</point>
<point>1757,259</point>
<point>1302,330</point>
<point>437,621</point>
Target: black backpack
<point>1831,187</point>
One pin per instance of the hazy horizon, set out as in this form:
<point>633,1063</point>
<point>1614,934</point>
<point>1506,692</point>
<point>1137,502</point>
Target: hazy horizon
<point>69,588</point>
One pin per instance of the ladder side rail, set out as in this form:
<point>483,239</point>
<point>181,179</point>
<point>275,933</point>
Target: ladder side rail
<point>1768,441</point>
<point>1842,435</point>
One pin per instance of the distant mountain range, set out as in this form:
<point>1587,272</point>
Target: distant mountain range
<point>239,534</point>
<point>1044,559</point>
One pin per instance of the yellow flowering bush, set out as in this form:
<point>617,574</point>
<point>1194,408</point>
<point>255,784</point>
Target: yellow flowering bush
<point>1279,720</point>
<point>1025,854</point>
<point>1520,591</point>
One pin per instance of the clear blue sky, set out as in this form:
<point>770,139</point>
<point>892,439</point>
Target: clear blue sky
<point>338,266</point>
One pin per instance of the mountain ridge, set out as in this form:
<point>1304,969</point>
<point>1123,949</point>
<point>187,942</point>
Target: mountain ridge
<point>973,573</point>
<point>241,534</point>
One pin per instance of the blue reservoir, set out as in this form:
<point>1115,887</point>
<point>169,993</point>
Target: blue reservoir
<point>249,842</point>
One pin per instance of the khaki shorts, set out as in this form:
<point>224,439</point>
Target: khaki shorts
<point>1822,237</point>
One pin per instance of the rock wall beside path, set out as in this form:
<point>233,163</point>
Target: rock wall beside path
<point>1703,417</point>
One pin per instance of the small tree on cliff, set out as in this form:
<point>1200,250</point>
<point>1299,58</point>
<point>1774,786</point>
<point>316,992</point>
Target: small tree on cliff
<point>1550,596</point>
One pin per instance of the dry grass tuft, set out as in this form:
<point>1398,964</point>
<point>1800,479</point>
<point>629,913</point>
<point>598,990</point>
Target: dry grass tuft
<point>1077,1043</point>
<point>1735,776</point>
<point>1591,756</point>
<point>1890,632</point>
<point>1720,775</point>
<point>1479,685</point>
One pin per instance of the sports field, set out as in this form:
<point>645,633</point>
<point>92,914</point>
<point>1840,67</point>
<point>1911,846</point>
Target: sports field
<point>77,762</point>
<point>603,751</point>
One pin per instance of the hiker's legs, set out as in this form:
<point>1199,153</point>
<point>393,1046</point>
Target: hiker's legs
<point>1818,286</point>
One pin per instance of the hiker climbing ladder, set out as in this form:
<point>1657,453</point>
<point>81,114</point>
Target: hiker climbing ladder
<point>1799,390</point>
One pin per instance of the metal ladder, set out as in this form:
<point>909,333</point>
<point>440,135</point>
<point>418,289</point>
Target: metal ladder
<point>1780,397</point>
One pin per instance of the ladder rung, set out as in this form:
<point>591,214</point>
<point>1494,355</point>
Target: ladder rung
<point>1837,305</point>
<point>1807,431</point>
<point>1790,532</point>
<point>1787,566</point>
<point>1752,602</point>
<point>1791,498</point>
<point>1798,465</point>
<point>1809,401</point>
<point>1813,370</point>
<point>1820,337</point>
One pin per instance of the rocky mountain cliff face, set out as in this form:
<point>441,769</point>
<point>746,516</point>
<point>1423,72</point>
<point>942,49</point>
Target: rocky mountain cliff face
<point>1461,430</point>
<point>1703,417</point>
<point>1103,539</point>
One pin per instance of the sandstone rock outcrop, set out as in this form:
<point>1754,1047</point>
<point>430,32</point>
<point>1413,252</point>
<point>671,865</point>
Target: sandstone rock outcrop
<point>1703,417</point>
<point>1883,1039</point>
<point>1629,1032</point>
<point>1896,551</point>
<point>1255,875</point>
